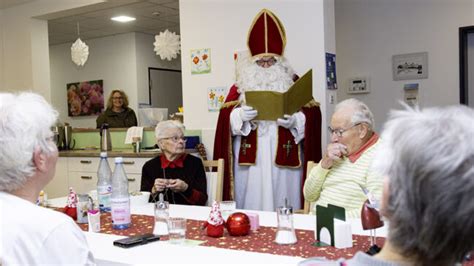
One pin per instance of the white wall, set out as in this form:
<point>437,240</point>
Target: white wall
<point>1,50</point>
<point>24,41</point>
<point>470,62</point>
<point>226,32</point>
<point>146,57</point>
<point>111,59</point>
<point>369,32</point>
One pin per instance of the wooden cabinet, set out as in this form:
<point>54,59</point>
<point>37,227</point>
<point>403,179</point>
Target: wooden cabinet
<point>81,174</point>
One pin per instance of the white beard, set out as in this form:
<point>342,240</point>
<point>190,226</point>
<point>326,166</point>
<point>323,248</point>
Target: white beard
<point>252,77</point>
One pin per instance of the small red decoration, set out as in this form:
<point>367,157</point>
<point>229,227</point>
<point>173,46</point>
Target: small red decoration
<point>370,217</point>
<point>215,223</point>
<point>71,207</point>
<point>238,224</point>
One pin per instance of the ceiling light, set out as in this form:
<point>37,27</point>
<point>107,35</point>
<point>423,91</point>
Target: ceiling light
<point>123,19</point>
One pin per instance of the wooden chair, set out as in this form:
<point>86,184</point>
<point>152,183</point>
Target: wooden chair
<point>215,180</point>
<point>308,205</point>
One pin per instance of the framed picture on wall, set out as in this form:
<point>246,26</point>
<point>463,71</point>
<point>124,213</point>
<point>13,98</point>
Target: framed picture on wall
<point>85,98</point>
<point>410,66</point>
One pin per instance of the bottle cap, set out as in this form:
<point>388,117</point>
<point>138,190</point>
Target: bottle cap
<point>103,154</point>
<point>118,160</point>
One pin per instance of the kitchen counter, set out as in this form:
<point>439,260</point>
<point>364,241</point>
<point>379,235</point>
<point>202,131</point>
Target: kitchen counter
<point>116,153</point>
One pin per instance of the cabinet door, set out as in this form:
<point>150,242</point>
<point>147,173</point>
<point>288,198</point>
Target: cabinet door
<point>58,186</point>
<point>134,181</point>
<point>83,182</point>
<point>83,164</point>
<point>131,165</point>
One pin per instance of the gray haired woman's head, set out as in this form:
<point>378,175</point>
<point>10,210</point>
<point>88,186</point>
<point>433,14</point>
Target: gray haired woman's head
<point>25,122</point>
<point>427,157</point>
<point>361,113</point>
<point>162,128</point>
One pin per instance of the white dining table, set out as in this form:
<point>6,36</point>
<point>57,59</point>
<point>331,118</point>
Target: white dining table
<point>162,252</point>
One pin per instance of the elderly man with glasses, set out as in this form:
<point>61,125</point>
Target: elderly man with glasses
<point>345,167</point>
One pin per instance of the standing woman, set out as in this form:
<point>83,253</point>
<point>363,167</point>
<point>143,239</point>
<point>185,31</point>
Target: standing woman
<point>117,114</point>
<point>178,175</point>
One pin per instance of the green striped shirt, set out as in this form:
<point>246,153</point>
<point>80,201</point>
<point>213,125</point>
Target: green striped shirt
<point>340,185</point>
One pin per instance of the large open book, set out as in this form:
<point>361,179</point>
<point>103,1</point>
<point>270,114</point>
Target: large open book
<point>272,105</point>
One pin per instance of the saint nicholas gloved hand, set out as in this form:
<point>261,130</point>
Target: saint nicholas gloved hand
<point>288,121</point>
<point>247,113</point>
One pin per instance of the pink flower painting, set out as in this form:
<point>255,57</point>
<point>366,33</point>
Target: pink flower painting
<point>85,98</point>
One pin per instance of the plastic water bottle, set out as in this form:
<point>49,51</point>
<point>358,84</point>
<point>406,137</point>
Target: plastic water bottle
<point>120,200</point>
<point>104,186</point>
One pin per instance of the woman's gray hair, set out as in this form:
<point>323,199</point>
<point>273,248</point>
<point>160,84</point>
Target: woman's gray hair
<point>25,125</point>
<point>361,114</point>
<point>163,126</point>
<point>428,157</point>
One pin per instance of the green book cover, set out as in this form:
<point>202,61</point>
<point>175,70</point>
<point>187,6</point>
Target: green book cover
<point>272,105</point>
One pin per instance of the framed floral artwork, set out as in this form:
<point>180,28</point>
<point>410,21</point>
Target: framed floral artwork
<point>201,61</point>
<point>85,98</point>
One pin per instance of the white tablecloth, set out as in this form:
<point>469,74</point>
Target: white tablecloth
<point>163,253</point>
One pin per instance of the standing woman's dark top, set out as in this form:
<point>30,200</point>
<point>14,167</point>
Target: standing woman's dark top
<point>117,114</point>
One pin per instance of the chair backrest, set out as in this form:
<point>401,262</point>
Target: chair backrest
<point>215,180</point>
<point>308,205</point>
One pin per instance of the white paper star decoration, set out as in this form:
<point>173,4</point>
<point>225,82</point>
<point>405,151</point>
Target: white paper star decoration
<point>79,52</point>
<point>167,45</point>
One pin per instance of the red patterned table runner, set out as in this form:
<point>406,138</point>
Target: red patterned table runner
<point>260,241</point>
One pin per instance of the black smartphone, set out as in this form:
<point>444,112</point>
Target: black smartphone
<point>136,240</point>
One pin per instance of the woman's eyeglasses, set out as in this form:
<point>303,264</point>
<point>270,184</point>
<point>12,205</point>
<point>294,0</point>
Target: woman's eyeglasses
<point>176,139</point>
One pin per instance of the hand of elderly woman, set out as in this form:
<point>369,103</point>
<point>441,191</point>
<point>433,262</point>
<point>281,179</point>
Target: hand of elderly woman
<point>177,185</point>
<point>160,184</point>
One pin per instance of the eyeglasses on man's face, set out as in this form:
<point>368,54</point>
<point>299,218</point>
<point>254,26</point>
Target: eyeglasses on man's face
<point>176,139</point>
<point>266,62</point>
<point>340,131</point>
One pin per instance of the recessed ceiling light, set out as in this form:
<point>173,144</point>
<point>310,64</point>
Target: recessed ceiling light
<point>123,19</point>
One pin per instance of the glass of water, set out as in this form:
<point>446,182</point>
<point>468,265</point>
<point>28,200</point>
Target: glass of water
<point>177,230</point>
<point>227,208</point>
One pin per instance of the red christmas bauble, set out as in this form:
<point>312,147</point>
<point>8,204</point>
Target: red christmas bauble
<point>238,224</point>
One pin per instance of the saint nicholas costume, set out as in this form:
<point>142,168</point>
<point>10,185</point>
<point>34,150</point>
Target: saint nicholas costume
<point>264,162</point>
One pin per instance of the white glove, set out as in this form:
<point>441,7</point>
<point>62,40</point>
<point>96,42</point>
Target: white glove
<point>289,121</point>
<point>247,113</point>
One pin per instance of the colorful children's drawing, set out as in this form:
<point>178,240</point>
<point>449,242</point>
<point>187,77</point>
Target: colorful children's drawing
<point>215,98</point>
<point>201,61</point>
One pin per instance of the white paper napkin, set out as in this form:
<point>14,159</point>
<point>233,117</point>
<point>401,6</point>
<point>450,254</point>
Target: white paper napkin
<point>133,132</point>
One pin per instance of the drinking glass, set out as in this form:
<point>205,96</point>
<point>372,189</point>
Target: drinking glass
<point>161,218</point>
<point>227,208</point>
<point>177,230</point>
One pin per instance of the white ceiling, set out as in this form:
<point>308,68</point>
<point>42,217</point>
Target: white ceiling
<point>10,3</point>
<point>152,17</point>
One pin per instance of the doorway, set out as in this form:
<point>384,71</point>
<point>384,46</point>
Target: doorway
<point>166,89</point>
<point>466,65</point>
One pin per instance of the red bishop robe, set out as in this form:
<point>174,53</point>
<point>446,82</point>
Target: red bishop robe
<point>223,140</point>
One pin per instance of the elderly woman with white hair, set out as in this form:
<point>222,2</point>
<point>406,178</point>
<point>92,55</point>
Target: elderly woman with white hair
<point>427,160</point>
<point>32,235</point>
<point>345,167</point>
<point>178,175</point>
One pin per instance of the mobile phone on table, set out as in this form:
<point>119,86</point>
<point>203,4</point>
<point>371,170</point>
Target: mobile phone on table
<point>136,240</point>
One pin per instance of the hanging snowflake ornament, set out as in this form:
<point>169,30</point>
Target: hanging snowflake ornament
<point>167,45</point>
<point>79,52</point>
